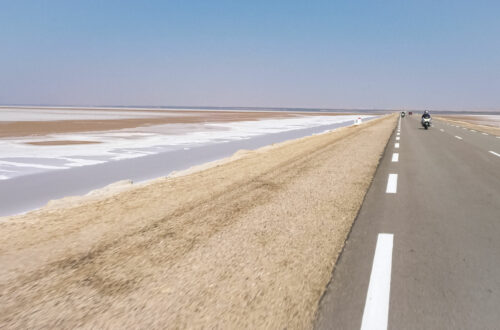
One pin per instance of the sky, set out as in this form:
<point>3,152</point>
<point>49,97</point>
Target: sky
<point>432,54</point>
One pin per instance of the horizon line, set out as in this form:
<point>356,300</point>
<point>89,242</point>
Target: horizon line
<point>199,107</point>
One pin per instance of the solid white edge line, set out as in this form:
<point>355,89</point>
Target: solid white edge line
<point>494,153</point>
<point>376,312</point>
<point>395,157</point>
<point>458,137</point>
<point>392,184</point>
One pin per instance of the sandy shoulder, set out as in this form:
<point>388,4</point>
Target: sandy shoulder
<point>246,243</point>
<point>469,123</point>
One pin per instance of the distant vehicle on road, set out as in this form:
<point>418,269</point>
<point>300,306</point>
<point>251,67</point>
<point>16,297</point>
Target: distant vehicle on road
<point>410,113</point>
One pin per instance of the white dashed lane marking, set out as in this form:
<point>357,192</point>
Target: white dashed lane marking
<point>491,152</point>
<point>392,184</point>
<point>395,157</point>
<point>458,137</point>
<point>396,145</point>
<point>376,312</point>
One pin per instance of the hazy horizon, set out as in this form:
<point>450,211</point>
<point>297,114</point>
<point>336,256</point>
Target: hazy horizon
<point>243,108</point>
<point>295,54</point>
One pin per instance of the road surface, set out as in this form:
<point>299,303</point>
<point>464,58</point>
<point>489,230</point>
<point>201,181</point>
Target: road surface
<point>424,250</point>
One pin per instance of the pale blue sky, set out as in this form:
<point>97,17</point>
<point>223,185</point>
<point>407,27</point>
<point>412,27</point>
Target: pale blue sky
<point>333,54</point>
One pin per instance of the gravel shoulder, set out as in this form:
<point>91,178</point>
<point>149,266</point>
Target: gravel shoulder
<point>247,243</point>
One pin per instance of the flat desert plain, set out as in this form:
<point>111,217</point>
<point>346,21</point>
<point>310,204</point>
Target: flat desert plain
<point>96,119</point>
<point>26,121</point>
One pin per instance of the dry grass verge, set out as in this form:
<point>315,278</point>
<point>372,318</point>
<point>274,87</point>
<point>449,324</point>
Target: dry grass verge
<point>462,122</point>
<point>250,243</point>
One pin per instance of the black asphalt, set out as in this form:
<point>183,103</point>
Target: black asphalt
<point>445,218</point>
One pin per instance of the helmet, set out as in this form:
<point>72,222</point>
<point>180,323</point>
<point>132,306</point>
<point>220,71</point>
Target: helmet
<point>426,111</point>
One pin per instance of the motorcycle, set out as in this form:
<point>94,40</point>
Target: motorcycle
<point>426,122</point>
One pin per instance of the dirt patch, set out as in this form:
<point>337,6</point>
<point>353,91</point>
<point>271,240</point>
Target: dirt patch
<point>249,243</point>
<point>472,122</point>
<point>60,143</point>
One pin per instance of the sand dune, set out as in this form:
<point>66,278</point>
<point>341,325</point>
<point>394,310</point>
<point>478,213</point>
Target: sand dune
<point>249,243</point>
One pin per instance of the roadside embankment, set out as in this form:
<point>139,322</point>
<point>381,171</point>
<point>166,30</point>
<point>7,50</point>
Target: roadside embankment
<point>247,243</point>
<point>468,123</point>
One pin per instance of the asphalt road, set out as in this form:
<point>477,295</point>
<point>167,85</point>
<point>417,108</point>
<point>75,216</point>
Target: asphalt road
<point>439,267</point>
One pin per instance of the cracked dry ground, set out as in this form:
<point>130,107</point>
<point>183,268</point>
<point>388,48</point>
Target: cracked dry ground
<point>247,244</point>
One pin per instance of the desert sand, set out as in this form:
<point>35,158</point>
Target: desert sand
<point>246,243</point>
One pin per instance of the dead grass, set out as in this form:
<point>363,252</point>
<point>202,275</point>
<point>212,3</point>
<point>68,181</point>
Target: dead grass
<point>247,244</point>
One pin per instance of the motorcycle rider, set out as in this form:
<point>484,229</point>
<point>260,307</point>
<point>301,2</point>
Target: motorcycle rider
<point>426,115</point>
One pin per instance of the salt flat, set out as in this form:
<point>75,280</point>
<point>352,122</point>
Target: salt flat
<point>167,131</point>
<point>39,168</point>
